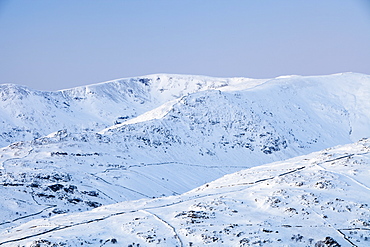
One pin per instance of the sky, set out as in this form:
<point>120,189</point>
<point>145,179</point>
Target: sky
<point>53,45</point>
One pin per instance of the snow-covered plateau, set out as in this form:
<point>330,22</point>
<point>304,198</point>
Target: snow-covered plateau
<point>144,161</point>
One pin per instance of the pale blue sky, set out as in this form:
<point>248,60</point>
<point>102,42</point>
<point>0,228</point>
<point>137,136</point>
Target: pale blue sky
<point>50,45</point>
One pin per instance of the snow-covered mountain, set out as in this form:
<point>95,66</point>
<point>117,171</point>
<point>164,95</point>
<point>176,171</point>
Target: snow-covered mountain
<point>161,135</point>
<point>321,199</point>
<point>27,114</point>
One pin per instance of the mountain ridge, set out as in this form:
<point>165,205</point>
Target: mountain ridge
<point>91,107</point>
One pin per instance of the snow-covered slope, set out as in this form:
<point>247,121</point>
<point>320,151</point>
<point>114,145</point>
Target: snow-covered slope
<point>27,114</point>
<point>184,143</point>
<point>171,134</point>
<point>321,199</point>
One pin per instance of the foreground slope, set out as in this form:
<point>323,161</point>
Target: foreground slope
<point>182,144</point>
<point>321,198</point>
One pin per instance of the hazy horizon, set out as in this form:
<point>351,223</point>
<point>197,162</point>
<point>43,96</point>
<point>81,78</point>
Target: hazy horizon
<point>50,45</point>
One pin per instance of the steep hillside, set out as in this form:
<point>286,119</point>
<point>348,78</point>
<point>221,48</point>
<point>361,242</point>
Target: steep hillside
<point>27,114</point>
<point>319,199</point>
<point>187,141</point>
